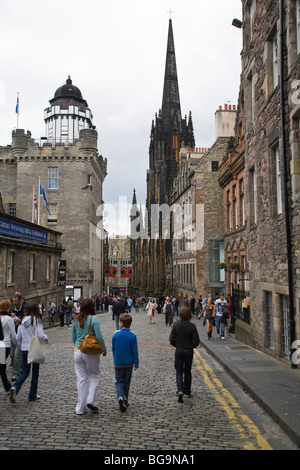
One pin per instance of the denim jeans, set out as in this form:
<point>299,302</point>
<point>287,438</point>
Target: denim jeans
<point>220,326</point>
<point>123,379</point>
<point>117,322</point>
<point>24,374</point>
<point>68,319</point>
<point>183,367</point>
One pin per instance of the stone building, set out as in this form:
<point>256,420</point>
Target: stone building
<point>120,267</point>
<point>168,131</point>
<point>71,172</point>
<point>198,243</point>
<point>29,256</point>
<point>270,106</point>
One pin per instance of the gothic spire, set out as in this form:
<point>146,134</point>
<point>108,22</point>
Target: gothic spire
<point>171,110</point>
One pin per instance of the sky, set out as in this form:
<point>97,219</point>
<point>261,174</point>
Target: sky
<point>115,53</point>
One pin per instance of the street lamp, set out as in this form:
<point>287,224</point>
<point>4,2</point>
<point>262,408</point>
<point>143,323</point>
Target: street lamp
<point>237,23</point>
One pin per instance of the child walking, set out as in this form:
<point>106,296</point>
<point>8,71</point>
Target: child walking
<point>125,353</point>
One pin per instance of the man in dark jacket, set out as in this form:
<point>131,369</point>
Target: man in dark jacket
<point>118,308</point>
<point>184,337</point>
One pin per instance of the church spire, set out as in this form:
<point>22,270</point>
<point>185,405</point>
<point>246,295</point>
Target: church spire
<point>171,102</point>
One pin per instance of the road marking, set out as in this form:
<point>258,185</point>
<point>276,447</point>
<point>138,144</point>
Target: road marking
<point>230,405</point>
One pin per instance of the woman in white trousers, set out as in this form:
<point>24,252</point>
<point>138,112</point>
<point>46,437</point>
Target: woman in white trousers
<point>87,367</point>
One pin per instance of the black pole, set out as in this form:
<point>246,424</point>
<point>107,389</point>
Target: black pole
<point>285,183</point>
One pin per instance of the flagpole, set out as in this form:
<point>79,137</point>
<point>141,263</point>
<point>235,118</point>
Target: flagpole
<point>39,201</point>
<point>33,204</point>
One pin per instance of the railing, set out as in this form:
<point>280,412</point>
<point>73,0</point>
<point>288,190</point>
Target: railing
<point>238,311</point>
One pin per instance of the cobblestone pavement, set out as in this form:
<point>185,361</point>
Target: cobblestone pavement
<point>210,419</point>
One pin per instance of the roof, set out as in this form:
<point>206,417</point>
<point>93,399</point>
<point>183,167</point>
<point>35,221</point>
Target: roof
<point>68,91</point>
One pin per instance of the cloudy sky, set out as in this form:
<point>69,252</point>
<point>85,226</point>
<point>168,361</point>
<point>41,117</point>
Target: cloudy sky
<point>115,53</point>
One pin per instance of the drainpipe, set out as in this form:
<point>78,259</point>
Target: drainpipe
<point>286,195</point>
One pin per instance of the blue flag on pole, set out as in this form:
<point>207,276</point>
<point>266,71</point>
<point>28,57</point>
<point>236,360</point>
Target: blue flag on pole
<point>42,192</point>
<point>17,105</point>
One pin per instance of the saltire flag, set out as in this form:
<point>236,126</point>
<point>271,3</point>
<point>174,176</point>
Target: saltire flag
<point>35,207</point>
<point>42,192</point>
<point>112,271</point>
<point>126,270</point>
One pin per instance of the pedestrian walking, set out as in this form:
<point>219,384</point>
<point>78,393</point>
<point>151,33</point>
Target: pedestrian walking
<point>125,353</point>
<point>129,304</point>
<point>175,302</point>
<point>184,337</point>
<point>209,316</point>
<point>151,309</point>
<point>118,308</point>
<point>221,315</point>
<point>25,333</point>
<point>69,310</point>
<point>7,336</point>
<point>168,311</point>
<point>87,366</point>
<point>51,312</point>
<point>76,308</point>
<point>17,313</point>
<point>137,305</point>
<point>41,308</point>
<point>61,313</point>
<point>192,304</point>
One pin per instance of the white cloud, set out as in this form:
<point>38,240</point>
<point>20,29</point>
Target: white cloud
<point>115,53</point>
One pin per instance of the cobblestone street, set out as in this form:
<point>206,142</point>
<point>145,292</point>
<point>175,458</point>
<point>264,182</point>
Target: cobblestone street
<point>210,419</point>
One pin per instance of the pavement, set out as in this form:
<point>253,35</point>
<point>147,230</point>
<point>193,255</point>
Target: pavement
<point>212,419</point>
<point>271,382</point>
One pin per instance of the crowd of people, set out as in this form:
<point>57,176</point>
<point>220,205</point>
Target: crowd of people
<point>19,322</point>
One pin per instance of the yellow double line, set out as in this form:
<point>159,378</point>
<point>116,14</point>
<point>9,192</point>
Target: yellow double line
<point>241,422</point>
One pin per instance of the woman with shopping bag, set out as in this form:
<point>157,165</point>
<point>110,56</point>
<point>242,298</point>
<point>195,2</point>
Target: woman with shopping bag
<point>87,363</point>
<point>30,332</point>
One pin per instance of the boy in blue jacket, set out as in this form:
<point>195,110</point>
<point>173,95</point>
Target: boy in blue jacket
<point>125,352</point>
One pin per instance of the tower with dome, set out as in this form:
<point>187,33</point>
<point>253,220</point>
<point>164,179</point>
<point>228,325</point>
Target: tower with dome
<point>67,163</point>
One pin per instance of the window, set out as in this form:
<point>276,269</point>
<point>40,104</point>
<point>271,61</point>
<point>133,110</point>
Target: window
<point>48,268</point>
<point>242,203</point>
<point>285,329</point>
<point>52,219</point>
<point>214,166</point>
<point>32,267</point>
<point>275,60</point>
<point>234,208</point>
<point>270,320</point>
<point>10,267</point>
<point>216,255</point>
<point>252,8</point>
<point>12,209</point>
<point>249,100</point>
<point>298,25</point>
<point>252,99</point>
<point>253,197</point>
<point>228,204</point>
<point>278,181</point>
<point>53,178</point>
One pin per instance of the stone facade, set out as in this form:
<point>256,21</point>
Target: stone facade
<point>269,102</point>
<point>118,256</point>
<point>29,256</point>
<point>72,175</point>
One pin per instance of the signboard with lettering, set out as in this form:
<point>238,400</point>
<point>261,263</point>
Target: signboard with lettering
<point>16,229</point>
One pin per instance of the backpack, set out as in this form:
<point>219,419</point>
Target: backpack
<point>168,308</point>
